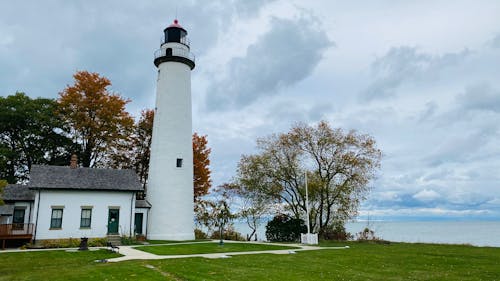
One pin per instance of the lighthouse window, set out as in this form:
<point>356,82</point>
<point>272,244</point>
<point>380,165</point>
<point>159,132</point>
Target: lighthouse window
<point>179,162</point>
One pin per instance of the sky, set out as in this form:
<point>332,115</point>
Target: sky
<point>421,77</point>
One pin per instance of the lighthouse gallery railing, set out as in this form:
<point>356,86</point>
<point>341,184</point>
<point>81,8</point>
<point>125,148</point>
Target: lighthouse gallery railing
<point>176,52</point>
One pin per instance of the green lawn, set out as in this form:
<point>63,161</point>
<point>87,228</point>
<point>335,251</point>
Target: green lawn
<point>361,261</point>
<point>153,242</point>
<point>209,247</point>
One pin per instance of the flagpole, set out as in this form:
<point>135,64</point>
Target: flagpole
<point>307,205</point>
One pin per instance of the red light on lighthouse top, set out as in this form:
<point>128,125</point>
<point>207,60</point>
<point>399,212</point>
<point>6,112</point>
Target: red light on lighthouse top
<point>175,24</point>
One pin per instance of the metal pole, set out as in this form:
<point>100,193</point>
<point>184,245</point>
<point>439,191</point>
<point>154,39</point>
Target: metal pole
<point>307,206</point>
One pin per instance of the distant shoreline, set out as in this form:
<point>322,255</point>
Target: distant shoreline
<point>469,232</point>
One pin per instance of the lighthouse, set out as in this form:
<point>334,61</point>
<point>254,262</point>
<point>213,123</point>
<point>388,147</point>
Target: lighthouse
<point>170,180</point>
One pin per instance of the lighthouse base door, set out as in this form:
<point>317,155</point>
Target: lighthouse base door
<point>138,223</point>
<point>113,221</point>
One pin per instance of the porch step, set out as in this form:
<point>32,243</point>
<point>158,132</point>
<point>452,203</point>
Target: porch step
<point>115,240</point>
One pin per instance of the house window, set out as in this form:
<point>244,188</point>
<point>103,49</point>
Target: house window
<point>18,218</point>
<point>56,219</point>
<point>179,162</point>
<point>86,218</point>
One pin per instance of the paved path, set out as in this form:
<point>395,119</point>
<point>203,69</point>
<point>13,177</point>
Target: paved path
<point>129,253</point>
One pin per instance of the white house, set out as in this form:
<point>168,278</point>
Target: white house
<point>61,202</point>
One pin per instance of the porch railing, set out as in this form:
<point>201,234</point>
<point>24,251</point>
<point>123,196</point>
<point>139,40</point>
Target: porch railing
<point>15,230</point>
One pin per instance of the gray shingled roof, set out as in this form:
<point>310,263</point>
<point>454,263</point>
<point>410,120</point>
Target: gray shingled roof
<point>142,204</point>
<point>18,192</point>
<point>63,177</point>
<point>6,210</point>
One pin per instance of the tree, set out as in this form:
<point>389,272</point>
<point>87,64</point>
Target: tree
<point>253,205</point>
<point>201,169</point>
<point>135,153</point>
<point>283,228</point>
<point>142,144</point>
<point>3,184</point>
<point>30,133</point>
<point>215,213</point>
<point>339,167</point>
<point>97,117</point>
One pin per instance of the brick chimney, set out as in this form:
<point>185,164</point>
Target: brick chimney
<point>73,164</point>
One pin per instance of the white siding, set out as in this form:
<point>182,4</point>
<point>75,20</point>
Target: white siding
<point>72,202</point>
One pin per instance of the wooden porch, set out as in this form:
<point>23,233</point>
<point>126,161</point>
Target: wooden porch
<point>16,231</point>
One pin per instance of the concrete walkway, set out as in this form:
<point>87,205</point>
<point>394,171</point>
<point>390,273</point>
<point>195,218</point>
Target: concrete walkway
<point>129,253</point>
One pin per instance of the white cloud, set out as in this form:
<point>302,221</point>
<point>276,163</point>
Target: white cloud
<point>427,195</point>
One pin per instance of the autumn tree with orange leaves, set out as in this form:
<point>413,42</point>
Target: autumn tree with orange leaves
<point>201,163</point>
<point>98,120</point>
<point>142,144</point>
<point>135,153</point>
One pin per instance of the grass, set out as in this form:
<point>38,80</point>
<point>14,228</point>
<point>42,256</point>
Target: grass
<point>209,247</point>
<point>154,242</point>
<point>363,261</point>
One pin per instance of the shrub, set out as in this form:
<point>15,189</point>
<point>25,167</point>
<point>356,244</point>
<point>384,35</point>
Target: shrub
<point>60,243</point>
<point>229,234</point>
<point>97,242</point>
<point>369,235</point>
<point>336,231</point>
<point>67,243</point>
<point>199,234</point>
<point>283,228</point>
<point>128,240</point>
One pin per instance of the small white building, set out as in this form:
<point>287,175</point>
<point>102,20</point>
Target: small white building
<point>61,202</point>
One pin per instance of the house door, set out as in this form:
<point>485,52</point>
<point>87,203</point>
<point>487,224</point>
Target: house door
<point>138,223</point>
<point>113,221</point>
<point>18,219</point>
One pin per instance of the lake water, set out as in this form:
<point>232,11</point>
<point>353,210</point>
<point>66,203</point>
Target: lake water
<point>478,233</point>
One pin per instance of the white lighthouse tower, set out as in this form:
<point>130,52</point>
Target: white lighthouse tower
<point>170,181</point>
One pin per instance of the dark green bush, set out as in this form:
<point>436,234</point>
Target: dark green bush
<point>283,228</point>
<point>336,231</point>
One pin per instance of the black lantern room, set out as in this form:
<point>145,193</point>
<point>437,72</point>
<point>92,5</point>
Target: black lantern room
<point>176,33</point>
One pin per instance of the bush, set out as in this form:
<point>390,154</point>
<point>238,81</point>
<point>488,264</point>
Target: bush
<point>336,232</point>
<point>97,242</point>
<point>140,238</point>
<point>368,235</point>
<point>283,228</point>
<point>126,240</point>
<point>199,234</point>
<point>67,243</point>
<point>229,234</point>
<point>60,243</point>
